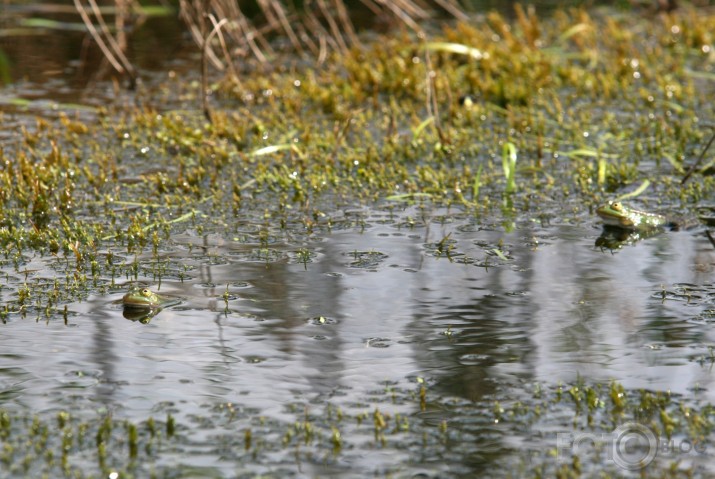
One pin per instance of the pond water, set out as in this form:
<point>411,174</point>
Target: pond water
<point>383,345</point>
<point>375,305</point>
<point>381,305</point>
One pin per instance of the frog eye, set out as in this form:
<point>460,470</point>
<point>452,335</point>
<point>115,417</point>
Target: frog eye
<point>146,292</point>
<point>616,206</point>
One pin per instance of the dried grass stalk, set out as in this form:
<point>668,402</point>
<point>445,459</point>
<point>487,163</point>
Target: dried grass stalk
<point>112,46</point>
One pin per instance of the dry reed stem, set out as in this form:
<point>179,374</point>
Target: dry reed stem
<point>195,15</point>
<point>204,66</point>
<point>316,28</point>
<point>111,48</point>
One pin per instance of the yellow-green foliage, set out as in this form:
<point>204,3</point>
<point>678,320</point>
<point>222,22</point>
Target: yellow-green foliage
<point>586,98</point>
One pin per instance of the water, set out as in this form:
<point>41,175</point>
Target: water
<point>378,307</point>
<point>283,336</point>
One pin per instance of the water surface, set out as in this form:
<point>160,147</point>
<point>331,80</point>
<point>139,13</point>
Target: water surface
<point>374,307</point>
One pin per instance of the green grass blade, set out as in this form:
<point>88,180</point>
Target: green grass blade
<point>456,48</point>
<point>477,184</point>
<point>509,166</point>
<point>636,192</point>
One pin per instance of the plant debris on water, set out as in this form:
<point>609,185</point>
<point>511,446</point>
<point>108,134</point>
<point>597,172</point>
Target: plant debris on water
<point>488,124</point>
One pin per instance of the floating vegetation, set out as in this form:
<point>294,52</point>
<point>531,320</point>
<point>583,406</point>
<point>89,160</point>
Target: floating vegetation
<point>35,446</point>
<point>581,420</point>
<point>365,259</point>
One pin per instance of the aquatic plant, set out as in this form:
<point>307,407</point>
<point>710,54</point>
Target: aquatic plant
<point>393,420</point>
<point>34,445</point>
<point>509,166</point>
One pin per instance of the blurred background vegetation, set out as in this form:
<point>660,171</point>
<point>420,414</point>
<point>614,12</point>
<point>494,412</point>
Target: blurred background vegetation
<point>89,39</point>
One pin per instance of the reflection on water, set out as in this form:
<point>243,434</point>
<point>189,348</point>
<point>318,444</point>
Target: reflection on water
<point>377,306</point>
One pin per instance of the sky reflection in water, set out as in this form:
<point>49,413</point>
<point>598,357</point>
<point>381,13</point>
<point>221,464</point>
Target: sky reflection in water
<point>377,306</point>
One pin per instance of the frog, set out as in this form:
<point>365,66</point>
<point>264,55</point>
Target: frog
<point>616,214</point>
<point>144,298</point>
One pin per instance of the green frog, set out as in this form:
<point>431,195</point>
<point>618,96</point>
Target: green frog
<point>616,214</point>
<point>623,225</point>
<point>143,298</point>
